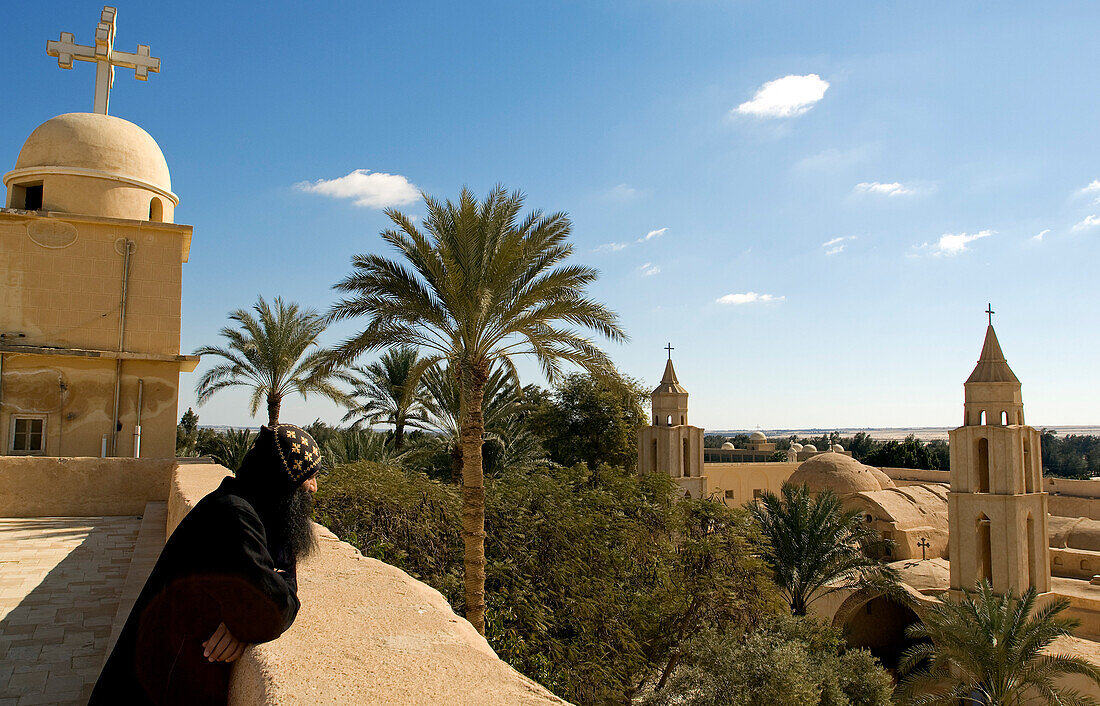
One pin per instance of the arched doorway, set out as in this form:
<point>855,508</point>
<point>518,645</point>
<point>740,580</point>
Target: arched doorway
<point>878,624</point>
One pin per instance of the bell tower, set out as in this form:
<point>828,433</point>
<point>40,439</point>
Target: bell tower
<point>997,508</point>
<point>669,445</point>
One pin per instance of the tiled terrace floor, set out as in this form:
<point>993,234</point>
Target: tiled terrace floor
<point>60,583</point>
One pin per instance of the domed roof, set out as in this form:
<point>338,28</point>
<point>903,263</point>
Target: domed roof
<point>727,446</point>
<point>86,143</point>
<point>836,472</point>
<point>757,436</point>
<point>795,446</point>
<point>836,447</point>
<point>809,447</point>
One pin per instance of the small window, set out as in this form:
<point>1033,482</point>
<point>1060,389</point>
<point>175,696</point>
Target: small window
<point>757,493</point>
<point>27,197</point>
<point>28,435</point>
<point>156,210</point>
<point>729,494</point>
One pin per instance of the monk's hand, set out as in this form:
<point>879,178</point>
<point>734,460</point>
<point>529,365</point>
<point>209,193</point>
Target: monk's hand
<point>222,646</point>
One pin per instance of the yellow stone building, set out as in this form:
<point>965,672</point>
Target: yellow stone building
<point>90,264</point>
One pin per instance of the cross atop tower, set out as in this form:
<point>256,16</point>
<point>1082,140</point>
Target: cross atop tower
<point>105,56</point>
<point>669,348</point>
<point>989,310</point>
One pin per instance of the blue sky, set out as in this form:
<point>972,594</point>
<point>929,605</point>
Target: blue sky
<point>824,245</point>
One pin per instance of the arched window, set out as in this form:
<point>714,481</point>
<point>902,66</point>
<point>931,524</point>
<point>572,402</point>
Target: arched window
<point>1004,419</point>
<point>1029,478</point>
<point>156,209</point>
<point>983,465</point>
<point>686,461</point>
<point>670,420</point>
<point>681,419</point>
<point>981,418</point>
<point>653,456</point>
<point>985,550</point>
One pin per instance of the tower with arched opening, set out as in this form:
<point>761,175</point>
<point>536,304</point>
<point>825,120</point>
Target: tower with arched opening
<point>998,512</point>
<point>669,444</point>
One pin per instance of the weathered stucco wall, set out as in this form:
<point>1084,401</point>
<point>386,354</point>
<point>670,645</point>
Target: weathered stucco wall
<point>79,487</point>
<point>367,633</point>
<point>738,483</point>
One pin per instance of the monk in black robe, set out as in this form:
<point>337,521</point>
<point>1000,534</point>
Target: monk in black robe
<point>224,580</point>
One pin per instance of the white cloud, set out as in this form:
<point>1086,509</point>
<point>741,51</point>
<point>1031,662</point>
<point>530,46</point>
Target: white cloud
<point>876,187</point>
<point>649,269</point>
<point>785,97</point>
<point>368,189</point>
<point>837,245</point>
<point>612,247</point>
<point>621,192</point>
<point>1092,188</point>
<point>748,298</point>
<point>1089,222</point>
<point>1041,234</point>
<point>653,234</point>
<point>951,244</point>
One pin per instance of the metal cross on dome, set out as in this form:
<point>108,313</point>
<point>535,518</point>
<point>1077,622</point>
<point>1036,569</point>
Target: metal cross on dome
<point>106,58</point>
<point>989,310</point>
<point>669,348</point>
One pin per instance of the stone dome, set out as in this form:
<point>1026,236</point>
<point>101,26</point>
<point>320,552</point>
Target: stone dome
<point>809,447</point>
<point>727,446</point>
<point>757,436</point>
<point>94,164</point>
<point>836,472</point>
<point>836,447</point>
<point>795,446</point>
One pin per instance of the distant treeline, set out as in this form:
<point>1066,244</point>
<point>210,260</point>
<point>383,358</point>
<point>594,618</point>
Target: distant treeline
<point>1071,456</point>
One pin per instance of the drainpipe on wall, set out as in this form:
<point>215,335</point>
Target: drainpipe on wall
<point>129,245</point>
<point>137,424</point>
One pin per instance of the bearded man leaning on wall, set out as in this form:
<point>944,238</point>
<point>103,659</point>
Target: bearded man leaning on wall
<point>224,580</point>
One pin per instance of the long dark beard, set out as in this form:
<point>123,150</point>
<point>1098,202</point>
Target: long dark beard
<point>297,536</point>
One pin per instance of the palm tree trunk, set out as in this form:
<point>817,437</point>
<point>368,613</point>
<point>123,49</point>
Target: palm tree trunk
<point>472,380</point>
<point>274,402</point>
<point>398,436</point>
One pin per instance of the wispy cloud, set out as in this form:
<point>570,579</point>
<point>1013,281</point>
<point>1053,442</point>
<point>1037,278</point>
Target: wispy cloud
<point>621,192</point>
<point>883,189</point>
<point>366,188</point>
<point>785,97</point>
<point>1092,188</point>
<point>836,245</point>
<point>951,244</point>
<point>652,234</point>
<point>649,269</point>
<point>1040,235</point>
<point>1089,222</point>
<point>612,247</point>
<point>748,298</point>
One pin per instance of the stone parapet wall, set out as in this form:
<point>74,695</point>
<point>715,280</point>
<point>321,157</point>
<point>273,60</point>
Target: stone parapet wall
<point>367,633</point>
<point>38,486</point>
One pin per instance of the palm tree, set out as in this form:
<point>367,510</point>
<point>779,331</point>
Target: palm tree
<point>989,649</point>
<point>270,353</point>
<point>478,285</point>
<point>386,391</point>
<point>816,547</point>
<point>501,405</point>
<point>230,447</point>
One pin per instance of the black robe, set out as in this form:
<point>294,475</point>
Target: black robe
<point>216,567</point>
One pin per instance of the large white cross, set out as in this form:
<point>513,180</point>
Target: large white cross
<point>105,56</point>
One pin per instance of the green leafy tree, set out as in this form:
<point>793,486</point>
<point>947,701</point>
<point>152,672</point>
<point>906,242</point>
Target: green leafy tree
<point>227,447</point>
<point>991,649</point>
<point>816,547</point>
<point>589,420</point>
<point>187,433</point>
<point>595,576</point>
<point>389,391</point>
<point>478,285</point>
<point>273,352</point>
<point>785,662</point>
<point>345,446</point>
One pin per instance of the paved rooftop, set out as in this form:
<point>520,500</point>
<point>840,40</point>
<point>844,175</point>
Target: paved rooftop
<point>61,579</point>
